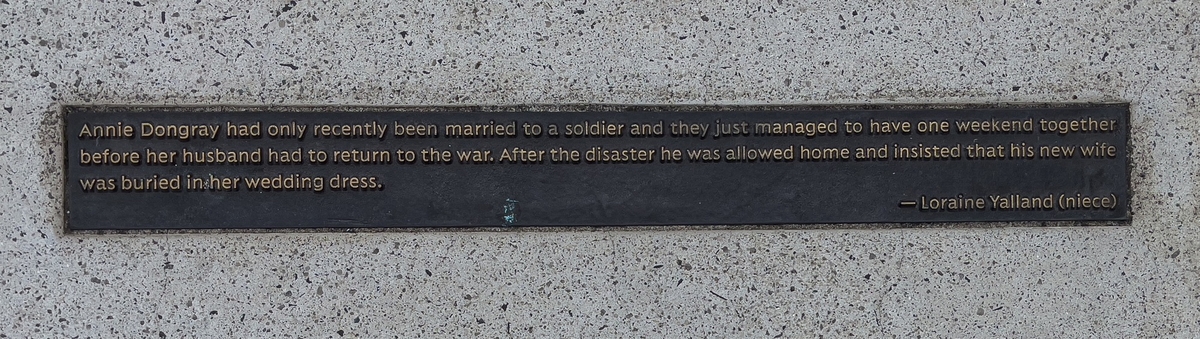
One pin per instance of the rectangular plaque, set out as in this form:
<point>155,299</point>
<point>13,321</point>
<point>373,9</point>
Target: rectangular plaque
<point>351,167</point>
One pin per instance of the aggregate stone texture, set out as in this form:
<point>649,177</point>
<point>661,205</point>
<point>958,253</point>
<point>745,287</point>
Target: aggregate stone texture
<point>944,280</point>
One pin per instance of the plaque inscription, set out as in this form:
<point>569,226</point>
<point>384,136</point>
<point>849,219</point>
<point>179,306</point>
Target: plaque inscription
<point>339,167</point>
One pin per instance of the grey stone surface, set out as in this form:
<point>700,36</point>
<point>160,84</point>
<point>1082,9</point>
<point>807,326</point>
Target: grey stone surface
<point>1015,280</point>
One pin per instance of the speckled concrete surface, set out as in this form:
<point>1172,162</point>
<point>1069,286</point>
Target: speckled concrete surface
<point>1018,281</point>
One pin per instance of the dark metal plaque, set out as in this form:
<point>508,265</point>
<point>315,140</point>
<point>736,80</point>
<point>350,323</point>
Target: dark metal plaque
<point>348,167</point>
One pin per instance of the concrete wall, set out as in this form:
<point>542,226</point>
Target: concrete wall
<point>1018,280</point>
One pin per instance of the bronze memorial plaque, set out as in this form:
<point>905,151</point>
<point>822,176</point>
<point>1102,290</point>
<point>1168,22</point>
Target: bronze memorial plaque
<point>130,168</point>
